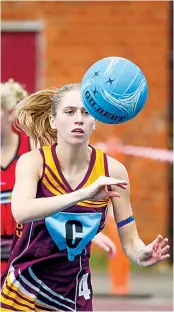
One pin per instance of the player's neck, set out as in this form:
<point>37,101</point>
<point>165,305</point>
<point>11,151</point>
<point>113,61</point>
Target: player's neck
<point>72,158</point>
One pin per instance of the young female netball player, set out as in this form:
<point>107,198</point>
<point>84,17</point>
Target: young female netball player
<point>13,145</point>
<point>60,200</point>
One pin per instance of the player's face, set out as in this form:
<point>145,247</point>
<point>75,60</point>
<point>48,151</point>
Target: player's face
<point>73,123</point>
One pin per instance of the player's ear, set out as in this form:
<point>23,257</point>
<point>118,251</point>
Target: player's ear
<point>52,122</point>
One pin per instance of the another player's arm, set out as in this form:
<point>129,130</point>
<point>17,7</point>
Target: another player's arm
<point>131,242</point>
<point>25,206</point>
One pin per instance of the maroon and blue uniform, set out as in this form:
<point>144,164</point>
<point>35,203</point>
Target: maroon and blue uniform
<point>49,266</point>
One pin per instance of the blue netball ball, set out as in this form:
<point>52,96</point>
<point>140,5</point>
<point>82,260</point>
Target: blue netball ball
<point>114,90</point>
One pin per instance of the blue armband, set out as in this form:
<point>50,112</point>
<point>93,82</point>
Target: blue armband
<point>125,222</point>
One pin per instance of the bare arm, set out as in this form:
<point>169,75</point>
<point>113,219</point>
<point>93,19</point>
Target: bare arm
<point>131,242</point>
<point>25,206</point>
<point>133,246</point>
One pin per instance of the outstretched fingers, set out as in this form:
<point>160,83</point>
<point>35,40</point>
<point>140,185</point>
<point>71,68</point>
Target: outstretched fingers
<point>161,245</point>
<point>165,250</point>
<point>164,243</point>
<point>111,181</point>
<point>164,257</point>
<point>122,185</point>
<point>156,243</point>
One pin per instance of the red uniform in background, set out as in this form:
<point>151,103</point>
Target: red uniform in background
<point>8,223</point>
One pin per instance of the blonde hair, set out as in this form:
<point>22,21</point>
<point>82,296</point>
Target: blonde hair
<point>32,114</point>
<point>11,93</point>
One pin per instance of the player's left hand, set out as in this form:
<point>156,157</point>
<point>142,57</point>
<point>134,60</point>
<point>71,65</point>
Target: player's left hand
<point>105,243</point>
<point>155,252</point>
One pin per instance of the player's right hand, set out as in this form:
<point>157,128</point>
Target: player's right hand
<point>98,189</point>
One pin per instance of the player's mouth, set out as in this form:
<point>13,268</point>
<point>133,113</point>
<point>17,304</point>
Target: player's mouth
<point>78,132</point>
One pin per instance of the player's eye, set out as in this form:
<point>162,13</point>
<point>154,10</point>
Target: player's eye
<point>69,112</point>
<point>85,112</point>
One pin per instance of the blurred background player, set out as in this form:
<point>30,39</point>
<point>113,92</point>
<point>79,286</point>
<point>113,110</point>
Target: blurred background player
<point>13,145</point>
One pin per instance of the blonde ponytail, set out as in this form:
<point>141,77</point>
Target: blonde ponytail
<point>32,116</point>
